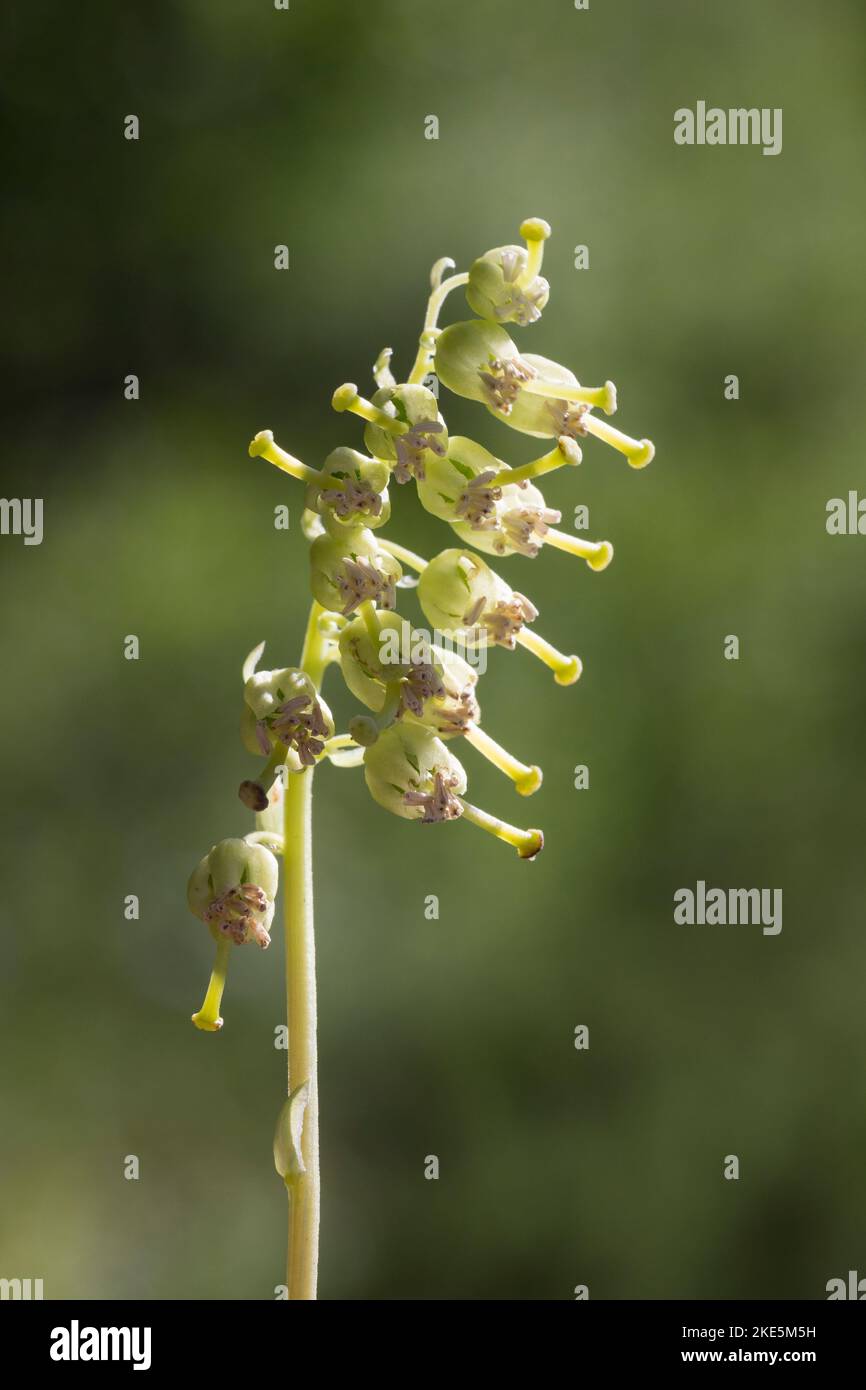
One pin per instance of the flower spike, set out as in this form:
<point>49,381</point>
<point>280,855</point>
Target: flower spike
<point>416,690</point>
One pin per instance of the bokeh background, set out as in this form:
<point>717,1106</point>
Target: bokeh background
<point>452,1037</point>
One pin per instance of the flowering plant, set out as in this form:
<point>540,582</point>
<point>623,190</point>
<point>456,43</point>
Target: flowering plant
<point>418,689</point>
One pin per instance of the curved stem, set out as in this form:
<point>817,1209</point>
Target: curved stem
<point>269,838</point>
<point>303,1189</point>
<point>425,354</point>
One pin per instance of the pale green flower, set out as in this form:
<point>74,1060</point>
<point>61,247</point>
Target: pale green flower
<point>398,672</point>
<point>416,693</point>
<point>348,570</point>
<point>500,291</point>
<point>420,434</point>
<point>285,720</point>
<point>460,594</point>
<point>352,491</point>
<point>233,891</point>
<point>410,772</point>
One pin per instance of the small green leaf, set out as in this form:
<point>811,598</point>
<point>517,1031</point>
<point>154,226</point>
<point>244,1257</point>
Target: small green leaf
<point>449,500</point>
<point>413,762</point>
<point>288,1159</point>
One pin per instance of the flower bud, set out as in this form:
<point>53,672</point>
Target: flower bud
<point>352,491</point>
<point>424,437</point>
<point>233,890</point>
<point>410,772</point>
<point>348,570</point>
<point>499,290</point>
<point>460,594</point>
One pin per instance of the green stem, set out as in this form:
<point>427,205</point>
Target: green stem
<point>426,352</point>
<point>303,1191</point>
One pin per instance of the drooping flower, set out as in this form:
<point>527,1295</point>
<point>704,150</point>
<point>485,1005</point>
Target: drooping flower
<point>469,490</point>
<point>460,594</point>
<point>398,672</point>
<point>411,773</point>
<point>351,491</point>
<point>533,394</point>
<point>348,570</point>
<point>422,434</point>
<point>404,427</point>
<point>285,720</point>
<point>504,285</point>
<point>233,891</point>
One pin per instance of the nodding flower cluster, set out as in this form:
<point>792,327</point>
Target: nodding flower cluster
<point>415,709</point>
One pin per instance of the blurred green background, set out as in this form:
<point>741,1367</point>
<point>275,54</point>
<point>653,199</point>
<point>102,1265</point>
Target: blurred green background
<point>454,1037</point>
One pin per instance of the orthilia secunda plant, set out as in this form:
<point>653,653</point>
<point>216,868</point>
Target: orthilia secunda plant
<point>417,691</point>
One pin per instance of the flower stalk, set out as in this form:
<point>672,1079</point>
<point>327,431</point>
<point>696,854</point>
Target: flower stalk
<point>417,689</point>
